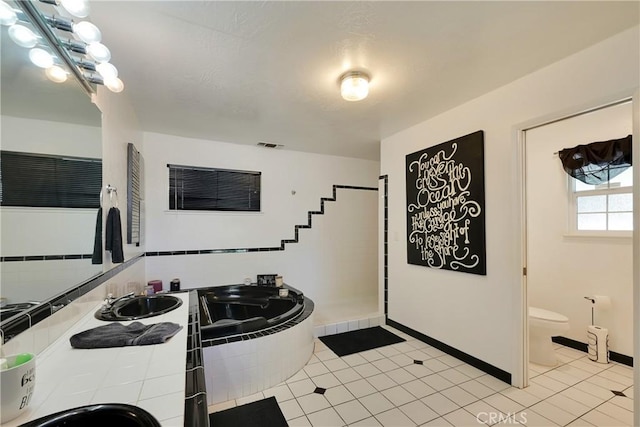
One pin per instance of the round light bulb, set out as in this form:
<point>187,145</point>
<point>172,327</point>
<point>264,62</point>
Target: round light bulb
<point>107,71</point>
<point>7,14</point>
<point>99,52</point>
<point>354,86</point>
<point>23,36</point>
<point>78,8</point>
<point>114,85</point>
<point>87,32</point>
<point>57,74</point>
<point>41,57</point>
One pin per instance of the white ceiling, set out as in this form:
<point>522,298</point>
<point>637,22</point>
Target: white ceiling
<point>246,72</point>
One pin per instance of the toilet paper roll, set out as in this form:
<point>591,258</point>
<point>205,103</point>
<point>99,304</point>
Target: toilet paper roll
<point>598,343</point>
<point>601,302</point>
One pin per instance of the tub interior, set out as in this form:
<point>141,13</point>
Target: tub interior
<point>237,309</point>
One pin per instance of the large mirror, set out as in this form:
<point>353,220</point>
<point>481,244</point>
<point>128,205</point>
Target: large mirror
<point>44,250</point>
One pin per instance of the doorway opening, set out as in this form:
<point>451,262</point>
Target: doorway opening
<point>575,247</point>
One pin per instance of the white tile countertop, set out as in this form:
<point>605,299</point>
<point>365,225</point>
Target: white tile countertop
<point>151,376</point>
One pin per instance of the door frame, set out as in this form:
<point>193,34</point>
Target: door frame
<point>520,377</point>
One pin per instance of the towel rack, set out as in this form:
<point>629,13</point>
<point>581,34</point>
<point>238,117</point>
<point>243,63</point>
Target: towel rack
<point>111,191</point>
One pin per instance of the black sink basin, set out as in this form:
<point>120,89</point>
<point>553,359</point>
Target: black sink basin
<point>140,307</point>
<point>108,414</point>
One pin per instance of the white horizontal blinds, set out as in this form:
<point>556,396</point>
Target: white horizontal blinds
<point>192,188</point>
<point>36,180</point>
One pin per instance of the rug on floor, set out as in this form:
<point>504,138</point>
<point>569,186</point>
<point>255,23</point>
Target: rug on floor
<point>262,413</point>
<point>361,340</point>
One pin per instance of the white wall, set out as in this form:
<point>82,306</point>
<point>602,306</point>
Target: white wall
<point>119,127</point>
<point>39,280</point>
<point>335,260</point>
<point>563,269</point>
<point>311,176</point>
<point>42,136</point>
<point>476,314</point>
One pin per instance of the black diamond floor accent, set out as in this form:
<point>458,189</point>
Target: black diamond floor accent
<point>319,390</point>
<point>618,393</point>
<point>418,362</point>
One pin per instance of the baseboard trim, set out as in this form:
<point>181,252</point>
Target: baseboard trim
<point>467,358</point>
<point>581,346</point>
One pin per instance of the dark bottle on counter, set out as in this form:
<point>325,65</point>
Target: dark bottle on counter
<point>175,285</point>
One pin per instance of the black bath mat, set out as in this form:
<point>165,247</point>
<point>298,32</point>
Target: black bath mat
<point>361,340</point>
<point>263,413</point>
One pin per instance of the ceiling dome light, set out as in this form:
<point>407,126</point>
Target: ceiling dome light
<point>354,86</point>
<point>114,85</point>
<point>107,71</point>
<point>23,36</point>
<point>7,14</point>
<point>41,57</point>
<point>57,74</point>
<point>78,8</point>
<point>87,32</point>
<point>99,52</point>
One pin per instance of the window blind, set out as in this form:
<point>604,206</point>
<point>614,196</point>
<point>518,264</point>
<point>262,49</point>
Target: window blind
<point>39,180</point>
<point>195,188</point>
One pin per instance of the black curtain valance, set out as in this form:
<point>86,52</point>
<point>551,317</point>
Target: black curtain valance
<point>597,162</point>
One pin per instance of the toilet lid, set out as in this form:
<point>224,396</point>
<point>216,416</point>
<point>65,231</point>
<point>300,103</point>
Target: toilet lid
<point>542,314</point>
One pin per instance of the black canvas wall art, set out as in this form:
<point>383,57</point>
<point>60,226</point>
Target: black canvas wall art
<point>445,205</point>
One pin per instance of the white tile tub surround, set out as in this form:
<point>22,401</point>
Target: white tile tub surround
<point>244,368</point>
<point>151,377</point>
<point>347,325</point>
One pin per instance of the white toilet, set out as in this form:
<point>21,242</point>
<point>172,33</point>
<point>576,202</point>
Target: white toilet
<point>544,324</point>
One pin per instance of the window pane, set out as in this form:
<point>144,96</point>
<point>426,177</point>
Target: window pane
<point>213,189</point>
<point>581,186</point>
<point>621,221</point>
<point>621,202</point>
<point>625,179</point>
<point>592,204</point>
<point>592,221</point>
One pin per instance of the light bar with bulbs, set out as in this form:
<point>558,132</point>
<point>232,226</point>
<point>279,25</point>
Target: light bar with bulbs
<point>73,46</point>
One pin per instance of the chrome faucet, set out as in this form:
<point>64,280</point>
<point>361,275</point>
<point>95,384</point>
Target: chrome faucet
<point>110,301</point>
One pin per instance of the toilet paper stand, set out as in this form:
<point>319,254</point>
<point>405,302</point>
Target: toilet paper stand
<point>601,302</point>
<point>598,338</point>
<point>593,303</point>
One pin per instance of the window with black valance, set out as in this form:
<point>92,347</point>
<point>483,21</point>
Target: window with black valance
<point>597,162</point>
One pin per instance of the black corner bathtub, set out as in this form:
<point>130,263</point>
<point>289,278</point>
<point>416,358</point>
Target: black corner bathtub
<point>240,309</point>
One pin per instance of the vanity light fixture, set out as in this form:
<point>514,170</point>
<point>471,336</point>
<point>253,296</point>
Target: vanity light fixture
<point>77,8</point>
<point>64,37</point>
<point>7,15</point>
<point>57,74</point>
<point>41,58</point>
<point>23,36</point>
<point>354,85</point>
